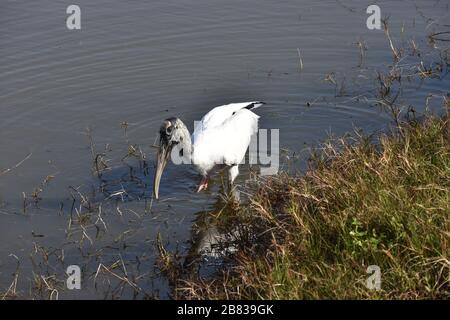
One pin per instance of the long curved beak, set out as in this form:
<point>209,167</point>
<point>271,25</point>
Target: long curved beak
<point>161,161</point>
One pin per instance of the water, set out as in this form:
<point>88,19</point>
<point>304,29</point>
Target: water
<point>138,63</point>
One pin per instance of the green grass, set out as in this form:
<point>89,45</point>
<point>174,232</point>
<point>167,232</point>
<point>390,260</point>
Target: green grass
<point>361,203</point>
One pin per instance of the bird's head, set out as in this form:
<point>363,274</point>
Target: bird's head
<point>173,132</point>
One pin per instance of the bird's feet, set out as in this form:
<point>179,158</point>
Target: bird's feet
<point>233,196</point>
<point>236,197</point>
<point>203,184</point>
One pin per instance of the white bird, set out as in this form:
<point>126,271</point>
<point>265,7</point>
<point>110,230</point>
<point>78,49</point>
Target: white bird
<point>221,137</point>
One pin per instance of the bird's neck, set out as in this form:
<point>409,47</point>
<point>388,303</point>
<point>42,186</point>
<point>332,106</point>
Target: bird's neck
<point>185,141</point>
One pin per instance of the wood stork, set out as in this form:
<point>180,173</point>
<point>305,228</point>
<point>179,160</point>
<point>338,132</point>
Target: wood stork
<point>221,137</point>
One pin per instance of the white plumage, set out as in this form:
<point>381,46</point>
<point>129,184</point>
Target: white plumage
<point>223,135</point>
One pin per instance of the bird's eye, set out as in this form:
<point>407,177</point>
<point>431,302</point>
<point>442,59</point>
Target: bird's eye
<point>169,130</point>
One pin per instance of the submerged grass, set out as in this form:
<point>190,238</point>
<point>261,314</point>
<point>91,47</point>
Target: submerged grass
<point>361,203</point>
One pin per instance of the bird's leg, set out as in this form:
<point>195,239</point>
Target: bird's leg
<point>233,172</point>
<point>203,184</point>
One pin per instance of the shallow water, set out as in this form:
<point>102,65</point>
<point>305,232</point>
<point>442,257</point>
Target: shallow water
<point>139,63</point>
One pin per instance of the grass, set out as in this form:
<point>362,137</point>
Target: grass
<point>360,203</point>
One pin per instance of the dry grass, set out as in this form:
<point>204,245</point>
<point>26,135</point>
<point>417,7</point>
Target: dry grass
<point>360,203</point>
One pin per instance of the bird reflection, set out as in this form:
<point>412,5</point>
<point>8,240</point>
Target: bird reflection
<point>214,234</point>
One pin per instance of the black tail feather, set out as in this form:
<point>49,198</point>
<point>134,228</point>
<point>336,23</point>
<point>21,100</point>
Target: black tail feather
<point>255,105</point>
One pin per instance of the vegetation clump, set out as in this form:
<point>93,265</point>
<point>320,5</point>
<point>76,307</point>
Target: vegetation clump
<point>360,203</point>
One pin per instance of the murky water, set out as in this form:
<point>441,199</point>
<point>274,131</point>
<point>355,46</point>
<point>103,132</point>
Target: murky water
<point>132,65</point>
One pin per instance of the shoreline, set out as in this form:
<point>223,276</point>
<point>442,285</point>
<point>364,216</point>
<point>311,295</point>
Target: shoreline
<point>319,235</point>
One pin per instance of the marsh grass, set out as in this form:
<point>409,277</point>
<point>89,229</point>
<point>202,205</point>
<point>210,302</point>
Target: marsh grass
<point>359,204</point>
